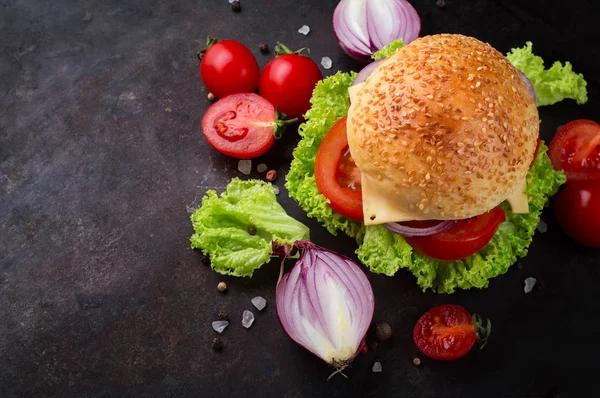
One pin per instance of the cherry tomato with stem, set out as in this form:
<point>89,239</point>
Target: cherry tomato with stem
<point>289,80</point>
<point>228,67</point>
<point>243,125</point>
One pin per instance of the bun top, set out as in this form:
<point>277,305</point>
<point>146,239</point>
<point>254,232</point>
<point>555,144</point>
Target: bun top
<point>445,128</point>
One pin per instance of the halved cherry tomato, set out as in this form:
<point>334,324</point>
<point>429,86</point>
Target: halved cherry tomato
<point>577,210</point>
<point>575,149</point>
<point>228,67</point>
<point>446,332</point>
<point>337,177</point>
<point>241,125</point>
<point>463,239</point>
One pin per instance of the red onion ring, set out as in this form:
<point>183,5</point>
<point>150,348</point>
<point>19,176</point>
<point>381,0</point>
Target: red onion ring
<point>427,231</point>
<point>528,84</point>
<point>365,72</point>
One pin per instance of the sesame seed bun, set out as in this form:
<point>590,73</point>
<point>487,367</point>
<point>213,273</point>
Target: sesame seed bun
<point>445,128</point>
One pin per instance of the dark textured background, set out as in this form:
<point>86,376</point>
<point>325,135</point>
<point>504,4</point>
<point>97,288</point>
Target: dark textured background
<point>102,158</point>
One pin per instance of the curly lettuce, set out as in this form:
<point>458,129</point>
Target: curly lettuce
<point>551,85</point>
<point>221,227</point>
<point>386,51</point>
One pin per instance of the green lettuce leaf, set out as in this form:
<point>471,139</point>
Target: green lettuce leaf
<point>329,103</point>
<point>221,227</point>
<point>551,85</point>
<point>386,252</point>
<point>386,51</point>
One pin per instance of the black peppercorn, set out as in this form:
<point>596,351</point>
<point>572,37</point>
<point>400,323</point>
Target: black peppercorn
<point>441,3</point>
<point>383,331</point>
<point>236,6</point>
<point>263,47</point>
<point>217,344</point>
<point>252,230</point>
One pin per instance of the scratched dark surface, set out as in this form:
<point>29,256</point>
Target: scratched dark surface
<point>102,158</point>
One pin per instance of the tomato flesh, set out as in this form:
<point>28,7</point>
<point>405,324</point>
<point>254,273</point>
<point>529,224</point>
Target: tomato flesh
<point>336,174</point>
<point>577,210</point>
<point>228,67</point>
<point>463,239</point>
<point>446,332</point>
<point>240,125</point>
<point>575,149</point>
<point>288,82</point>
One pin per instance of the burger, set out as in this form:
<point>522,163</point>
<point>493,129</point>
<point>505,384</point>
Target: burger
<point>444,129</point>
<point>444,136</point>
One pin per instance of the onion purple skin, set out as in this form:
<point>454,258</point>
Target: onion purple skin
<point>406,25</point>
<point>528,84</point>
<point>299,293</point>
<point>410,231</point>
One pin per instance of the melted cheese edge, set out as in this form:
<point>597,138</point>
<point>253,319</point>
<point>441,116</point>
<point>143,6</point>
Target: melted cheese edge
<point>379,209</point>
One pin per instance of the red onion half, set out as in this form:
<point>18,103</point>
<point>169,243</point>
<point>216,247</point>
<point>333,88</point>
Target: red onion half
<point>412,231</point>
<point>365,26</point>
<point>325,303</point>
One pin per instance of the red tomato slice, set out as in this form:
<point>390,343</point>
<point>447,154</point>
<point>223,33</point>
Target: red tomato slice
<point>446,332</point>
<point>240,125</point>
<point>577,210</point>
<point>535,152</point>
<point>463,239</point>
<point>576,149</point>
<point>337,177</point>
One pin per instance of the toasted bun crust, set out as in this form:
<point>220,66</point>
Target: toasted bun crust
<point>445,127</point>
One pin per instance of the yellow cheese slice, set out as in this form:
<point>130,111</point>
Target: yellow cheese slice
<point>519,203</point>
<point>378,209</point>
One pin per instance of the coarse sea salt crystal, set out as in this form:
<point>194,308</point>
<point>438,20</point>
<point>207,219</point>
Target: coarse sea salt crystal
<point>377,368</point>
<point>231,1</point>
<point>219,326</point>
<point>542,226</point>
<point>247,319</point>
<point>304,30</point>
<point>259,302</point>
<point>276,189</point>
<point>326,62</point>
<point>245,166</point>
<point>529,284</point>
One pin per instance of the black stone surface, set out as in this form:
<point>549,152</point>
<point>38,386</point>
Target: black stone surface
<point>102,158</point>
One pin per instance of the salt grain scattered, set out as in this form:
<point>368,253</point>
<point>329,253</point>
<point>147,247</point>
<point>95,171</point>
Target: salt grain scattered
<point>304,30</point>
<point>542,226</point>
<point>276,188</point>
<point>231,1</point>
<point>219,326</point>
<point>245,166</point>
<point>326,62</point>
<point>261,168</point>
<point>259,303</point>
<point>377,368</point>
<point>529,284</point>
<point>247,319</point>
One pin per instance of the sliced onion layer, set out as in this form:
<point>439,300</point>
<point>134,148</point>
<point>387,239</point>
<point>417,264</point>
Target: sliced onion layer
<point>365,72</point>
<point>412,231</point>
<point>365,26</point>
<point>325,303</point>
<point>528,84</point>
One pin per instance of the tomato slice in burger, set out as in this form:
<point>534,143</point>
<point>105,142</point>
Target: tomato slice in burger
<point>575,149</point>
<point>462,240</point>
<point>336,174</point>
